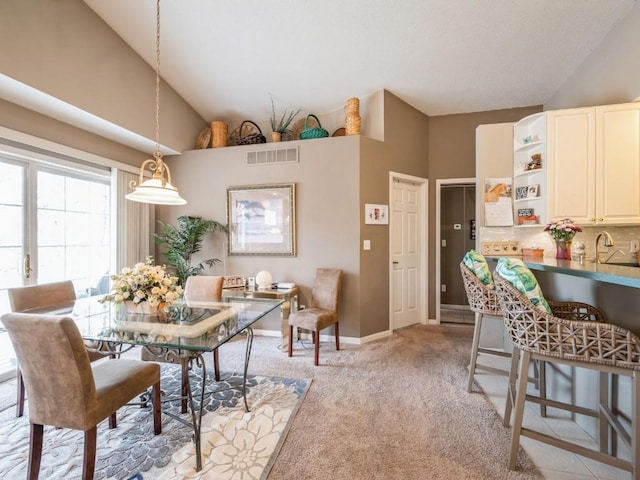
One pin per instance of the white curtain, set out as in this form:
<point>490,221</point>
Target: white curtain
<point>133,224</point>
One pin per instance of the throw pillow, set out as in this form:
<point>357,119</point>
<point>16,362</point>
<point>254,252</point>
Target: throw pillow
<point>518,275</point>
<point>476,262</point>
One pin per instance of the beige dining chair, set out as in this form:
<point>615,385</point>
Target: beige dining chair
<point>71,392</point>
<point>323,312</point>
<point>39,297</point>
<point>196,288</point>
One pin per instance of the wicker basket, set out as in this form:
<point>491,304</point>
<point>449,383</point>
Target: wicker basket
<point>313,132</point>
<point>204,138</point>
<point>251,138</point>
<point>220,132</point>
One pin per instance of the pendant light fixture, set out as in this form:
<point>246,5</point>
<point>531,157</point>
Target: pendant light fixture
<point>157,190</point>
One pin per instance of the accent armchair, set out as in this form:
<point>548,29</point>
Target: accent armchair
<point>70,392</point>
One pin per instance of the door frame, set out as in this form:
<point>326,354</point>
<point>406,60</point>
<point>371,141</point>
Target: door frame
<point>423,184</point>
<point>439,184</point>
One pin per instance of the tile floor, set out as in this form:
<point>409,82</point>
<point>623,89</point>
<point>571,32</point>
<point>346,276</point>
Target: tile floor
<point>554,463</point>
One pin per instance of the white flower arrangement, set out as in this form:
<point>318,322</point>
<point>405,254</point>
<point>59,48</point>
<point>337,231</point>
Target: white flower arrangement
<point>144,282</point>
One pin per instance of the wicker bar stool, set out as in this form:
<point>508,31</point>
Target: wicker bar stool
<point>482,301</point>
<point>583,342</point>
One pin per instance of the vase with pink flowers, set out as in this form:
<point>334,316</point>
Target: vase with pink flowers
<point>562,232</point>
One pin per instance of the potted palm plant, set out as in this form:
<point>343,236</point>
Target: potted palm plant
<point>280,125</point>
<point>181,241</point>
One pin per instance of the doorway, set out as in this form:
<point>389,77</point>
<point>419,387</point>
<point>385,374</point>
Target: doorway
<point>457,236</point>
<point>408,245</point>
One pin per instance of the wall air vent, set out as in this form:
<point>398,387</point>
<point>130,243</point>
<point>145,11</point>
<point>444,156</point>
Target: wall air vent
<point>272,156</point>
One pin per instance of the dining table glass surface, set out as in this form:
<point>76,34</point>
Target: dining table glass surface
<point>187,325</point>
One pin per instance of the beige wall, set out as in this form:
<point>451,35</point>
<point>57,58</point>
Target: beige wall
<point>611,74</point>
<point>452,154</point>
<point>24,120</point>
<point>64,49</point>
<point>334,179</point>
<point>327,217</point>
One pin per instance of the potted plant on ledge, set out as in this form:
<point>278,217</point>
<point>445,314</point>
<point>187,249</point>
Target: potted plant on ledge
<point>280,126</point>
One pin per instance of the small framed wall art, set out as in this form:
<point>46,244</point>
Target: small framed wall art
<point>376,214</point>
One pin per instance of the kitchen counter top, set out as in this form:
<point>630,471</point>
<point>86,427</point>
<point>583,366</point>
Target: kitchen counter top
<point>603,272</point>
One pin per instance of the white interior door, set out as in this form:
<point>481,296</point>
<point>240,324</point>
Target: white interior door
<point>406,253</point>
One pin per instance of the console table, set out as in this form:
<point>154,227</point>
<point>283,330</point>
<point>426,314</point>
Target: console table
<point>289,304</point>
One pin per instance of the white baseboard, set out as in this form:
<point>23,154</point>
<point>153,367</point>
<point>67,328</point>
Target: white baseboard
<point>331,338</point>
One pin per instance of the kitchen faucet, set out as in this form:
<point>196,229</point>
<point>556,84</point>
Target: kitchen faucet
<point>608,242</point>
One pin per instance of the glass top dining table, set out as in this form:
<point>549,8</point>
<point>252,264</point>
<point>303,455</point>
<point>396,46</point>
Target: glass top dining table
<point>188,325</point>
<point>180,333</point>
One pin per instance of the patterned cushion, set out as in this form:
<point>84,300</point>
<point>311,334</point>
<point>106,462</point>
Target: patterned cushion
<point>516,273</point>
<point>476,262</point>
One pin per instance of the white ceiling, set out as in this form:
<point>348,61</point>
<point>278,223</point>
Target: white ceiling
<point>225,57</point>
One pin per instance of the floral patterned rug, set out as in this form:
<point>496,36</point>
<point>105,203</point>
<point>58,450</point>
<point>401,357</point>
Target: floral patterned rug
<point>235,444</point>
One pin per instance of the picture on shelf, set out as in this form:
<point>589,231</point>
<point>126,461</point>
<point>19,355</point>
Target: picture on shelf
<point>532,191</point>
<point>522,193</point>
<point>526,216</point>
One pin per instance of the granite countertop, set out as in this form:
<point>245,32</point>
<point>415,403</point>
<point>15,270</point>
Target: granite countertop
<point>603,272</point>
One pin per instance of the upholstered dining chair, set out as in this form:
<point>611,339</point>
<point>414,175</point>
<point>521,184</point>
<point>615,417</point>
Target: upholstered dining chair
<point>572,334</point>
<point>323,311</point>
<point>197,288</point>
<point>34,297</point>
<point>70,392</point>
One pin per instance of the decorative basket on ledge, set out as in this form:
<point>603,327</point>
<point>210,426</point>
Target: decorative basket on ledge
<point>313,132</point>
<point>251,138</point>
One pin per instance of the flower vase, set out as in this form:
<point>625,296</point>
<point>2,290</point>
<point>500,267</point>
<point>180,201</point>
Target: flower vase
<point>276,137</point>
<point>144,308</point>
<point>563,249</point>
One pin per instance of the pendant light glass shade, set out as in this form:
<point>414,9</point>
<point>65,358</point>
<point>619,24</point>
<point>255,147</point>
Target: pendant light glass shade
<point>158,189</point>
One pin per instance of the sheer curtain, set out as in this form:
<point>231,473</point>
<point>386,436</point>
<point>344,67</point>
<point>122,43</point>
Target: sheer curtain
<point>133,223</point>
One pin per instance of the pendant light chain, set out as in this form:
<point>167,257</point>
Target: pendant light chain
<point>158,153</point>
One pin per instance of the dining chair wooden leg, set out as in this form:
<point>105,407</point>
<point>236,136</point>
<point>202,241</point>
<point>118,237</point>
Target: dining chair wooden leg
<point>290,340</point>
<point>542,382</point>
<point>511,387</point>
<point>20,394</point>
<point>157,409</point>
<point>216,365</point>
<point>337,336</point>
<point>35,451</point>
<point>113,420</point>
<point>521,394</point>
<point>89,463</point>
<point>316,341</point>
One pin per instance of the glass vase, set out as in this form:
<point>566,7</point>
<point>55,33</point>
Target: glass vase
<point>563,249</point>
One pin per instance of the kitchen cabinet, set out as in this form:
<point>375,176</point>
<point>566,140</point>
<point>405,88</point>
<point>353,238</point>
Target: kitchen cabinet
<point>594,164</point>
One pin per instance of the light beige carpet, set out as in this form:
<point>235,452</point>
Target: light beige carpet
<point>392,409</point>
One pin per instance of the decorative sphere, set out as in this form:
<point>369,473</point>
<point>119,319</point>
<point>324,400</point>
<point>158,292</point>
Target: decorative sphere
<point>263,279</point>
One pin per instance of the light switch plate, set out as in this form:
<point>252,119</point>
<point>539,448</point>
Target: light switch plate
<point>366,244</point>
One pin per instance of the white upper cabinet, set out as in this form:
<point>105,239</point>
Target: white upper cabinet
<point>618,164</point>
<point>593,165</point>
<point>572,168</point>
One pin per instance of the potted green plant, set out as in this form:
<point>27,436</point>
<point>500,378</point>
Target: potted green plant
<point>181,241</point>
<point>280,125</point>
